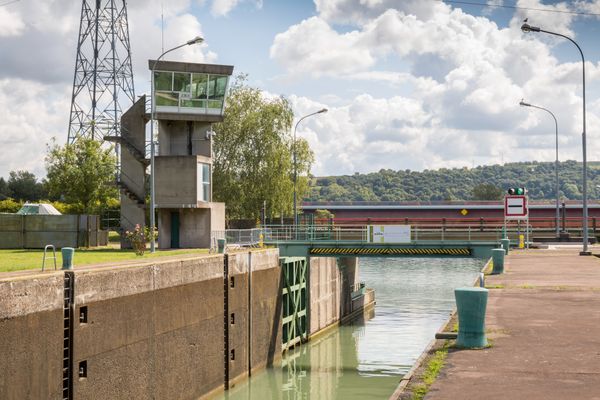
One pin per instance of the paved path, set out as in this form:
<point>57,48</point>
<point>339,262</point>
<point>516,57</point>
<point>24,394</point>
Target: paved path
<point>544,326</point>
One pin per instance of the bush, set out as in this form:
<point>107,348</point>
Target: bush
<point>137,238</point>
<point>10,206</point>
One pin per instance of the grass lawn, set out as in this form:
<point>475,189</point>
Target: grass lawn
<point>19,259</point>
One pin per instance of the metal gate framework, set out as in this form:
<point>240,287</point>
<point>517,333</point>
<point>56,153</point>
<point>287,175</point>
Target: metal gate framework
<point>294,301</point>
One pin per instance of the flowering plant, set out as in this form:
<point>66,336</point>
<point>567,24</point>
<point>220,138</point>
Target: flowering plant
<point>137,238</point>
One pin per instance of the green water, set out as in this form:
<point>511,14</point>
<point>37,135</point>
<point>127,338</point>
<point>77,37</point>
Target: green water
<point>367,359</point>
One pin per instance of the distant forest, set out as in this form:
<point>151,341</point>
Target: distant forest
<point>480,183</point>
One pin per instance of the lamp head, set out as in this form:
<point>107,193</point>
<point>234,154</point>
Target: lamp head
<point>528,28</point>
<point>324,110</point>
<point>523,104</point>
<point>195,40</point>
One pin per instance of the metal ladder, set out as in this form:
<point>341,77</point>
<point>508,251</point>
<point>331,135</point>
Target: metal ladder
<point>67,362</point>
<point>53,257</point>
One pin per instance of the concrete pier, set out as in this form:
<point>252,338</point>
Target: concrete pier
<point>544,329</point>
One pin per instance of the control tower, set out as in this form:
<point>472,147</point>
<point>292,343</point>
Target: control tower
<point>188,99</point>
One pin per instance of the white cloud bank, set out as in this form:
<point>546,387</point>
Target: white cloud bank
<point>467,76</point>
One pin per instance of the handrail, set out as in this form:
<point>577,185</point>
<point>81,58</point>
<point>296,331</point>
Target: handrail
<point>54,257</point>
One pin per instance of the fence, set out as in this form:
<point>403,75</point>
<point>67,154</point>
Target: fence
<point>37,231</point>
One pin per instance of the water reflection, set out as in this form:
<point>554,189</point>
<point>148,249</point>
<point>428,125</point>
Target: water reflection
<point>365,360</point>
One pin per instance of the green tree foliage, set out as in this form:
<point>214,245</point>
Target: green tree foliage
<point>4,190</point>
<point>82,174</point>
<point>253,152</point>
<point>458,183</point>
<point>24,186</point>
<point>487,191</point>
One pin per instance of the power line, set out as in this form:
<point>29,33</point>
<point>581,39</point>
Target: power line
<point>473,3</point>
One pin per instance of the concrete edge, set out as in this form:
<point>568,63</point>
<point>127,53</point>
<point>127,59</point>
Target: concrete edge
<point>409,375</point>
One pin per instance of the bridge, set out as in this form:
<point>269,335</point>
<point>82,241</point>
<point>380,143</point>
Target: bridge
<point>331,240</point>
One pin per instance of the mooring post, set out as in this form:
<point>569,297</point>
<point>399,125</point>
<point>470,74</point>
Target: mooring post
<point>498,261</point>
<point>471,303</point>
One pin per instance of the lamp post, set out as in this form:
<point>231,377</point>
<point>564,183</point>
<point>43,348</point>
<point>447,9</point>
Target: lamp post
<point>585,252</point>
<point>195,40</point>
<point>522,103</point>
<point>321,111</point>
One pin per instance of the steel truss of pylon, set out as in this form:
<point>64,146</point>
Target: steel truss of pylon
<point>103,71</point>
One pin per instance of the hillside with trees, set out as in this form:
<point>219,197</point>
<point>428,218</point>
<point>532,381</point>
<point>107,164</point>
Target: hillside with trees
<point>480,183</point>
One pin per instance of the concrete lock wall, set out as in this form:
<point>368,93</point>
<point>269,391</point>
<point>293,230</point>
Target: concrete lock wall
<point>31,337</point>
<point>331,282</point>
<point>154,330</point>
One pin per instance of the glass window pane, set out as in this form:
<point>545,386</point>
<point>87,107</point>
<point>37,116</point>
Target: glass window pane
<point>206,193</point>
<point>215,104</point>
<point>199,82</point>
<point>163,80</point>
<point>205,173</point>
<point>167,99</point>
<point>221,86</point>
<point>182,82</point>
<point>194,103</point>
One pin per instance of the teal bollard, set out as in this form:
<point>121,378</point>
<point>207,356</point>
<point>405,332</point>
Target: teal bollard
<point>221,245</point>
<point>505,244</point>
<point>498,261</point>
<point>67,257</point>
<point>471,303</point>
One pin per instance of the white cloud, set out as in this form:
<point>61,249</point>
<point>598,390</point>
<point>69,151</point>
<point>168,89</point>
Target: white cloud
<point>221,8</point>
<point>11,24</point>
<point>313,47</point>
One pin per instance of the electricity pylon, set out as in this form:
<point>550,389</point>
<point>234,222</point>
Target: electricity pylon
<point>103,74</point>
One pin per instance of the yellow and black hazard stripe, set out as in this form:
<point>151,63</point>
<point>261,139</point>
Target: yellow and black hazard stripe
<point>463,251</point>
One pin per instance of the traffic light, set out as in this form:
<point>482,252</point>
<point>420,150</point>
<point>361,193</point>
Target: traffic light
<point>520,191</point>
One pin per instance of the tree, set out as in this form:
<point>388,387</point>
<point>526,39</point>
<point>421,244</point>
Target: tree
<point>23,185</point>
<point>82,174</point>
<point>253,152</point>
<point>4,190</point>
<point>487,191</point>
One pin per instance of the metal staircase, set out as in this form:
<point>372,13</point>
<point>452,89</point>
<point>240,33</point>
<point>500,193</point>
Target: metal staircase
<point>134,151</point>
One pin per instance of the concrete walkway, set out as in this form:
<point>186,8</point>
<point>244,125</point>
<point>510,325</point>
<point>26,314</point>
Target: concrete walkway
<point>544,326</point>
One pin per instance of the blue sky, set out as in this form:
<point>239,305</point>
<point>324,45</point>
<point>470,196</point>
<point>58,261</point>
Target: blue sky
<point>410,84</point>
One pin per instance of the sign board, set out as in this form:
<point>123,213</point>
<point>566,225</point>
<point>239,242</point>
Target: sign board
<point>515,207</point>
<point>389,233</point>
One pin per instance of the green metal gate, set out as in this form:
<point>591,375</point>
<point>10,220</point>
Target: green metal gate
<point>294,301</point>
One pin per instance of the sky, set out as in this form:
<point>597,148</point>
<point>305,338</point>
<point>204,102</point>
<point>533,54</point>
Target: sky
<point>409,84</point>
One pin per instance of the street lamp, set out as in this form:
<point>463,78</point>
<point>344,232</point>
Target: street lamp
<point>321,111</point>
<point>193,41</point>
<point>522,103</point>
<point>528,28</point>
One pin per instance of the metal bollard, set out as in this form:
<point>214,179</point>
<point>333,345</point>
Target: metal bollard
<point>221,245</point>
<point>498,261</point>
<point>471,303</point>
<point>505,245</point>
<point>67,257</point>
<point>481,279</point>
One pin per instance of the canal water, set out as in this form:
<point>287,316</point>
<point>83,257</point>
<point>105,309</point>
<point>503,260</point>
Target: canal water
<point>366,359</point>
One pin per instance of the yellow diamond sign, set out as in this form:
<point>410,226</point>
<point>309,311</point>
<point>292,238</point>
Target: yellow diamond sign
<point>464,211</point>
